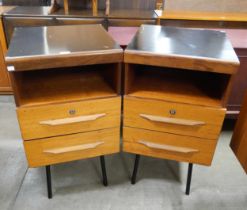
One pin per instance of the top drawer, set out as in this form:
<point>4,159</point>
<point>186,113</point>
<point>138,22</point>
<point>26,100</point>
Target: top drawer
<point>68,118</point>
<point>174,118</point>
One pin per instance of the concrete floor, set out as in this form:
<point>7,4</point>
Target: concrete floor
<point>77,185</point>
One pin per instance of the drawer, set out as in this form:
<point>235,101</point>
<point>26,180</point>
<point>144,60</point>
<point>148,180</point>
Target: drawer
<point>72,147</point>
<point>68,118</point>
<point>183,119</point>
<point>168,146</point>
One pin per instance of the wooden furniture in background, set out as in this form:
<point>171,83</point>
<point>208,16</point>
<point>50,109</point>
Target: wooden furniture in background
<point>176,94</point>
<point>159,4</point>
<point>5,86</point>
<point>55,6</point>
<point>205,5</point>
<point>39,16</point>
<point>202,16</point>
<point>67,92</point>
<point>238,39</point>
<point>239,138</point>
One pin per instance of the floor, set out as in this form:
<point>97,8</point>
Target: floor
<point>77,185</point>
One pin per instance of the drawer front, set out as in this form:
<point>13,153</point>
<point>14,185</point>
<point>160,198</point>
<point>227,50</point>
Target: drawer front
<point>168,146</point>
<point>72,147</point>
<point>174,118</point>
<point>68,118</point>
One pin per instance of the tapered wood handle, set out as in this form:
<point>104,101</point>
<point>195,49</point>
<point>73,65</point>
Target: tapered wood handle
<point>81,147</point>
<point>169,148</point>
<point>71,120</point>
<point>172,120</point>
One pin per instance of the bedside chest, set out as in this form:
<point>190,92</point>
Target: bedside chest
<point>66,82</point>
<point>177,82</point>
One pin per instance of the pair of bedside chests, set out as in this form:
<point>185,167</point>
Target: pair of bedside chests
<point>73,86</point>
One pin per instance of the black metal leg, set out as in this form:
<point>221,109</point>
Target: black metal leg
<point>102,162</point>
<point>189,176</point>
<point>48,179</point>
<point>133,178</point>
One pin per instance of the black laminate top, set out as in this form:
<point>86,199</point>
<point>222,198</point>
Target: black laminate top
<point>60,40</point>
<point>182,42</point>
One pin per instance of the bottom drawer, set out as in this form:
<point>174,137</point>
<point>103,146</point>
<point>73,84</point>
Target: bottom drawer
<point>168,146</point>
<point>71,147</point>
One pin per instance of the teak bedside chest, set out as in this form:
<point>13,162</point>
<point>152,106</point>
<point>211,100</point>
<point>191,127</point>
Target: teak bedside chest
<point>66,82</point>
<point>177,82</point>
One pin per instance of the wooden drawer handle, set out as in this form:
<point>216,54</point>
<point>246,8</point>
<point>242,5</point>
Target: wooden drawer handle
<point>172,120</point>
<point>62,150</point>
<point>169,148</point>
<point>70,120</point>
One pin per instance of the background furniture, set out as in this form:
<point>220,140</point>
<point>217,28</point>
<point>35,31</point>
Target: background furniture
<point>239,138</point>
<point>179,114</point>
<point>67,92</point>
<point>55,6</point>
<point>39,16</point>
<point>205,5</point>
<point>5,86</point>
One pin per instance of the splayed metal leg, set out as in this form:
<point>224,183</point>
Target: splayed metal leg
<point>133,178</point>
<point>189,176</point>
<point>102,162</point>
<point>48,180</point>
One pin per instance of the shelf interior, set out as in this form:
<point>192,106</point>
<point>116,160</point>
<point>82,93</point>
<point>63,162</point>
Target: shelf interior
<point>176,85</point>
<point>68,84</point>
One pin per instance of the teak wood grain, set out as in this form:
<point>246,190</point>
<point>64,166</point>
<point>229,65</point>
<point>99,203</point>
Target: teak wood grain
<point>59,86</point>
<point>212,118</point>
<point>182,62</point>
<point>56,61</point>
<point>31,118</point>
<point>170,146</point>
<point>239,138</point>
<point>72,147</point>
<point>202,15</point>
<point>175,85</point>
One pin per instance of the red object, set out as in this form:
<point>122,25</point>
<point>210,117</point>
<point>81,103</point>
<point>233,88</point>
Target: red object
<point>122,35</point>
<point>238,37</point>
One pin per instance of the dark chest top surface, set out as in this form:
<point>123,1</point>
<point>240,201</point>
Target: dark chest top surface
<point>181,42</point>
<point>60,40</point>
